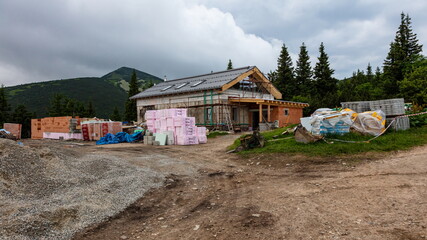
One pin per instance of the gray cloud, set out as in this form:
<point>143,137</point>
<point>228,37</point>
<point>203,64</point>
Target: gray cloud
<point>44,40</point>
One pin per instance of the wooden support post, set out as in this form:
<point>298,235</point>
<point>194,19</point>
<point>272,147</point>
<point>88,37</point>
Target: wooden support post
<point>260,113</point>
<point>268,113</point>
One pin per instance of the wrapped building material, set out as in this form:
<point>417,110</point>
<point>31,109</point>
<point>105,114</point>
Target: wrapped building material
<point>330,122</point>
<point>372,122</point>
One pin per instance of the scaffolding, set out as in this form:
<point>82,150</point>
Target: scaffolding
<point>213,108</point>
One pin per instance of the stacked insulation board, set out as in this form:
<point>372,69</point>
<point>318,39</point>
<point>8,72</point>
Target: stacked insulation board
<point>175,126</point>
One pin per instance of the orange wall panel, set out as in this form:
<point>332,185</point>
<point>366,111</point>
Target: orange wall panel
<point>293,117</point>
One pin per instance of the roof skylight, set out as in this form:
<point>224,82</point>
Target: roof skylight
<point>198,83</point>
<point>181,85</point>
<point>166,88</point>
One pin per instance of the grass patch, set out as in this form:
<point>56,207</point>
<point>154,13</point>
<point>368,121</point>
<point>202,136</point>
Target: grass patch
<point>216,134</point>
<point>390,141</point>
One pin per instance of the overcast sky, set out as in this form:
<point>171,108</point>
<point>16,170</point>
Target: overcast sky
<point>57,39</point>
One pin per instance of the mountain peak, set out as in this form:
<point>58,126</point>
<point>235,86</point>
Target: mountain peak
<point>125,73</point>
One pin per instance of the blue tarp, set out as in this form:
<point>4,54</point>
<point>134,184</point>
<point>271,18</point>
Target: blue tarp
<point>119,138</point>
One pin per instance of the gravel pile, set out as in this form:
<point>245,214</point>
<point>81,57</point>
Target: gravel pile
<point>48,194</point>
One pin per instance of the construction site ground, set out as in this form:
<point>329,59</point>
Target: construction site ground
<point>205,193</point>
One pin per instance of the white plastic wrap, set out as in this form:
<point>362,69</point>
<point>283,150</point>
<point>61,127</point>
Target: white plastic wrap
<point>372,122</point>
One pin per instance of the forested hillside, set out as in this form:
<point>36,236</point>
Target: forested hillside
<point>104,93</point>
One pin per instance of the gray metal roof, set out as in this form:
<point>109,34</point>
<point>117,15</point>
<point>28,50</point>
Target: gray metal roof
<point>208,81</point>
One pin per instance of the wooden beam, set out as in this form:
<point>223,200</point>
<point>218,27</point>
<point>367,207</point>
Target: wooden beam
<point>260,113</point>
<point>267,84</point>
<point>268,113</point>
<point>247,100</point>
<point>237,79</point>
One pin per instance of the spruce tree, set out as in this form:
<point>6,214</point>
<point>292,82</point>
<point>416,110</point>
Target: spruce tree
<point>325,85</point>
<point>404,51</point>
<point>4,107</point>
<point>272,76</point>
<point>130,106</point>
<point>324,82</point>
<point>22,116</point>
<point>285,81</point>
<point>303,72</point>
<point>116,115</point>
<point>90,110</point>
<point>369,73</point>
<point>230,65</point>
<point>147,85</point>
<point>56,108</point>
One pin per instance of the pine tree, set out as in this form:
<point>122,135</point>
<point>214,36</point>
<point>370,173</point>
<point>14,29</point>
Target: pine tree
<point>70,107</point>
<point>325,84</point>
<point>116,115</point>
<point>56,108</point>
<point>4,107</point>
<point>80,109</point>
<point>369,73</point>
<point>230,65</point>
<point>303,72</point>
<point>147,85</point>
<point>22,116</point>
<point>404,51</point>
<point>285,81</point>
<point>130,106</point>
<point>272,76</point>
<point>90,110</point>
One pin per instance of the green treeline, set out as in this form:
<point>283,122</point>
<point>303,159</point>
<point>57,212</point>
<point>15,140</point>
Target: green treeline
<point>404,75</point>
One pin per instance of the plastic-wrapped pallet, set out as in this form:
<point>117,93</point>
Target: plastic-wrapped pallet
<point>176,112</point>
<point>150,114</point>
<point>184,121</point>
<point>187,140</point>
<point>372,122</point>
<point>201,134</point>
<point>186,130</point>
<point>330,122</point>
<point>170,122</point>
<point>179,128</point>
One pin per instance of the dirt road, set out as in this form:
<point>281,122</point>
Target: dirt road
<point>274,196</point>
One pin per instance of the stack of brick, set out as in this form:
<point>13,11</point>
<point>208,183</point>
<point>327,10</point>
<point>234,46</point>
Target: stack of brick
<point>55,128</point>
<point>93,130</point>
<point>72,128</point>
<point>14,128</point>
<point>175,123</point>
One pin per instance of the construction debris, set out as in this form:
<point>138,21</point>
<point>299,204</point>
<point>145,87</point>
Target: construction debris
<point>14,128</point>
<point>251,141</point>
<point>304,136</point>
<point>6,134</point>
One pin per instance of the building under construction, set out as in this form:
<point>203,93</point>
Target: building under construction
<point>240,98</point>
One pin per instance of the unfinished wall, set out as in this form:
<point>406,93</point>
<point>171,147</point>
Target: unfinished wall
<point>293,117</point>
